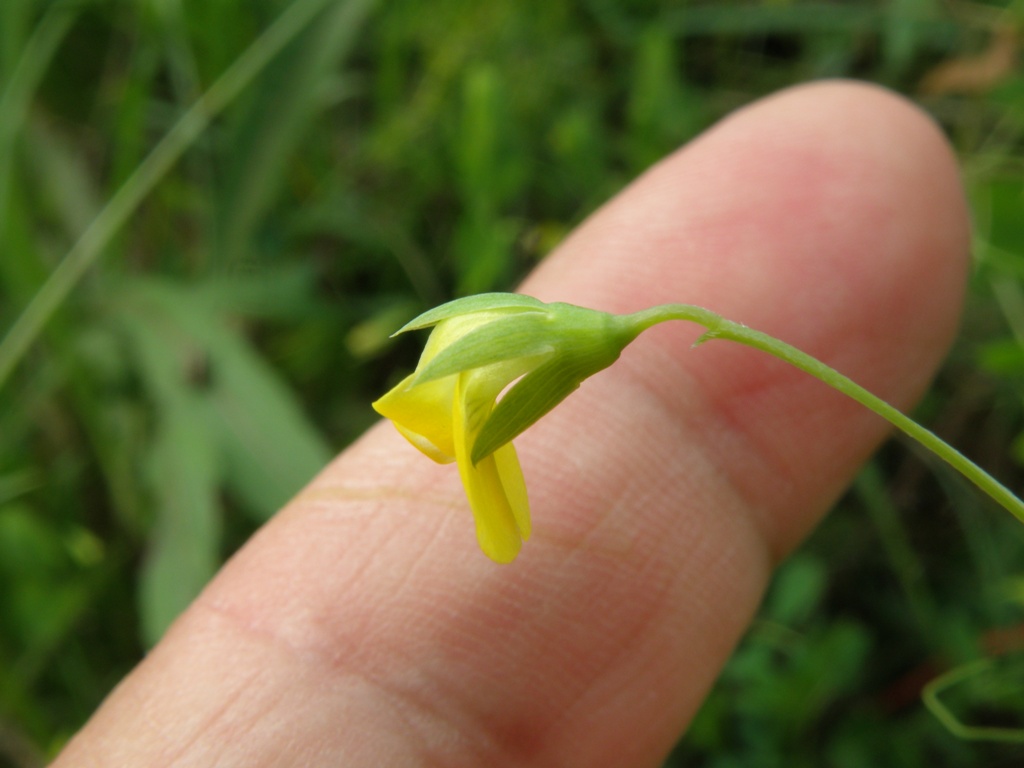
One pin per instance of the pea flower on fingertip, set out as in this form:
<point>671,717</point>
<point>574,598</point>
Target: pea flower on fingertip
<point>458,404</point>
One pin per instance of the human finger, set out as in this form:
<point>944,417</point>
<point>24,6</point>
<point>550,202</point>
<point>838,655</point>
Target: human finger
<point>362,626</point>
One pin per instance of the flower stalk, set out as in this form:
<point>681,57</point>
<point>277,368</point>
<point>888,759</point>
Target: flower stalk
<point>720,328</point>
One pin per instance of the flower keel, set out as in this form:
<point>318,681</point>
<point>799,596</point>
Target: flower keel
<point>494,486</point>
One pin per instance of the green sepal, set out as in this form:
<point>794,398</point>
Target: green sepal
<point>482,302</point>
<point>537,393</point>
<point>505,338</point>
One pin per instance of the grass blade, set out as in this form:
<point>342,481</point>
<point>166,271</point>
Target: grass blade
<point>275,121</point>
<point>91,244</point>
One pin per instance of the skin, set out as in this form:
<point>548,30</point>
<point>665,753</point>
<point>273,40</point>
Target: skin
<point>362,626</point>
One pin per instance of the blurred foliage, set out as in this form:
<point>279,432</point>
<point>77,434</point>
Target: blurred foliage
<point>218,342</point>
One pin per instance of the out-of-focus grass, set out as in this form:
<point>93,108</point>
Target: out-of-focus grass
<point>224,335</point>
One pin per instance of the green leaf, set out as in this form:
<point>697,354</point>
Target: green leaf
<point>183,474</point>
<point>224,420</point>
<point>271,449</point>
<point>184,544</point>
<point>797,590</point>
<point>268,447</point>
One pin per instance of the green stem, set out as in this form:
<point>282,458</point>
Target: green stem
<point>720,328</point>
<point>931,697</point>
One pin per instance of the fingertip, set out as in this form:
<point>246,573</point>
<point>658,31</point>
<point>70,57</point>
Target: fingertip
<point>830,215</point>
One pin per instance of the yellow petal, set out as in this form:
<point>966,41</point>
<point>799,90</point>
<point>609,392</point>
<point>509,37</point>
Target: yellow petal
<point>423,414</point>
<point>515,487</point>
<point>497,527</point>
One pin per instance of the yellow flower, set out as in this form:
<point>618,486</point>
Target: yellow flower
<point>449,408</point>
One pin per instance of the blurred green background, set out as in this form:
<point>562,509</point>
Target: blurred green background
<point>212,214</point>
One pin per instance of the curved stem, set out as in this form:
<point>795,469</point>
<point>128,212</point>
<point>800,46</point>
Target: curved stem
<point>720,328</point>
<point>931,697</point>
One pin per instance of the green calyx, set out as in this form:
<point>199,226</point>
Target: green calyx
<point>584,341</point>
<point>564,343</point>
